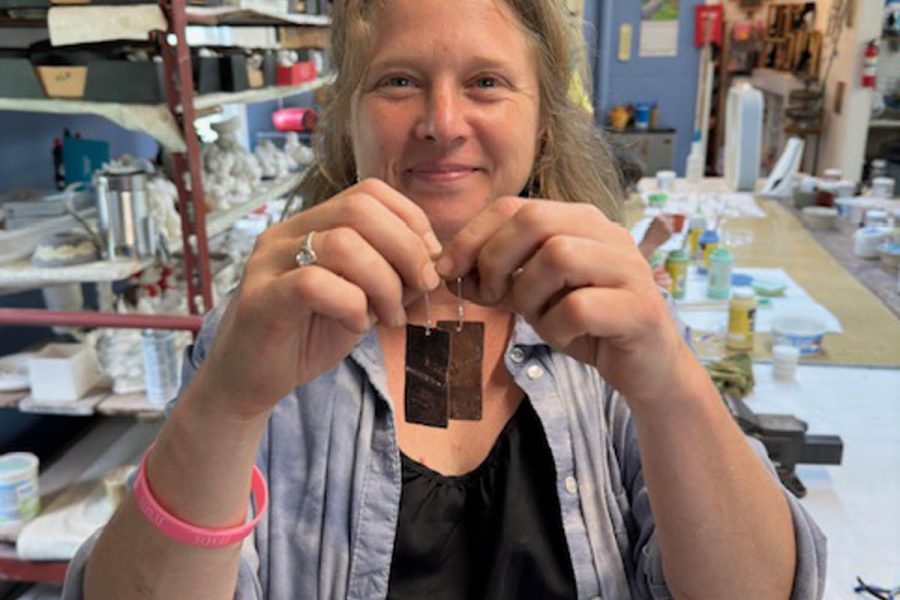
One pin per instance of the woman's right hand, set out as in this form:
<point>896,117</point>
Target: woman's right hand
<point>286,324</point>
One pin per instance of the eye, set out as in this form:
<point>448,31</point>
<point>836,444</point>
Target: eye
<point>397,81</point>
<point>487,82</point>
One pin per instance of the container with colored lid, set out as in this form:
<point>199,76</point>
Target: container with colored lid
<point>741,319</point>
<point>19,494</point>
<point>676,267</point>
<point>721,263</point>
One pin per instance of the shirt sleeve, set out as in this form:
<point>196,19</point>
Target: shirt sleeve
<point>248,584</point>
<point>648,577</point>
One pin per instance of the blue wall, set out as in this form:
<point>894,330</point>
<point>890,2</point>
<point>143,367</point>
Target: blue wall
<point>670,81</point>
<point>26,144</point>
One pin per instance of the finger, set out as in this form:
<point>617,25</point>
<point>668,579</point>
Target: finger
<point>517,240</point>
<point>564,263</point>
<point>345,252</point>
<point>461,254</point>
<point>316,290</point>
<point>407,211</point>
<point>593,311</point>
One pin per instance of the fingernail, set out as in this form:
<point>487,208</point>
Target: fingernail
<point>434,246</point>
<point>430,279</point>
<point>444,265</point>
<point>399,318</point>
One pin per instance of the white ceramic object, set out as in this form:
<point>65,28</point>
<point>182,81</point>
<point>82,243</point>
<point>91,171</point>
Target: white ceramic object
<point>832,175</point>
<point>62,372</point>
<point>802,332</point>
<point>19,493</point>
<point>876,218</point>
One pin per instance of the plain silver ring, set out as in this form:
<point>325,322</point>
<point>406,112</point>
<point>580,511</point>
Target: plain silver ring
<point>306,256</point>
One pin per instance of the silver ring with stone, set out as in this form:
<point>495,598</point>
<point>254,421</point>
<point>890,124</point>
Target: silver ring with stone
<point>306,256</point>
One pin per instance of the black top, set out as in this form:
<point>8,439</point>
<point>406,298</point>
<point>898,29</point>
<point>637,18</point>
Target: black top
<point>495,532</point>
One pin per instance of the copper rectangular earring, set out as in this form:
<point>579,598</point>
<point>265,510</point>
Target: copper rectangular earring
<point>443,369</point>
<point>466,358</point>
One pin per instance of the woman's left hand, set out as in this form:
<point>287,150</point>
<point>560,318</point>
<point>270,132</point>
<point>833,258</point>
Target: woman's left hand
<point>580,281</point>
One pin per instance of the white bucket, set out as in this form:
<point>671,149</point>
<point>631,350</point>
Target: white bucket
<point>20,498</point>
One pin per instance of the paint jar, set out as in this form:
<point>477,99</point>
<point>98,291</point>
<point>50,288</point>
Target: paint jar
<point>867,240</point>
<point>20,498</point>
<point>832,175</point>
<point>709,241</point>
<point>826,193</point>
<point>160,365</point>
<point>741,320</point>
<point>642,116</point>
<point>883,187</point>
<point>721,263</point>
<point>676,267</point>
<point>876,218</point>
<point>784,362</point>
<point>696,227</point>
<point>665,180</point>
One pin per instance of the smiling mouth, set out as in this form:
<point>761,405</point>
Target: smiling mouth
<point>440,173</point>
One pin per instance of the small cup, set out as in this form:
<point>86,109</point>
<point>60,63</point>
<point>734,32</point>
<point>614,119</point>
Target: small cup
<point>784,362</point>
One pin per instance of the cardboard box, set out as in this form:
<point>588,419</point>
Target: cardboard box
<point>207,76</point>
<point>63,82</point>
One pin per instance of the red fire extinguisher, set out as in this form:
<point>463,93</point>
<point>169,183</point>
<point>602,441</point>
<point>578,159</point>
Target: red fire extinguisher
<point>870,65</point>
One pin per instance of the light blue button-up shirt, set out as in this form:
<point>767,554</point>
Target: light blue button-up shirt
<point>331,458</point>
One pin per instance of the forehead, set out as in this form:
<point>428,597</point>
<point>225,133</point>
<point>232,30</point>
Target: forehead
<point>449,30</point>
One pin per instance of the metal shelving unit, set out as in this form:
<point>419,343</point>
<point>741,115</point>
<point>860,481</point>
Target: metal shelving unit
<point>172,125</point>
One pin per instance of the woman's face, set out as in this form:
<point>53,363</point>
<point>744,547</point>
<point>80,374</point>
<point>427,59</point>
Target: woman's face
<point>448,111</point>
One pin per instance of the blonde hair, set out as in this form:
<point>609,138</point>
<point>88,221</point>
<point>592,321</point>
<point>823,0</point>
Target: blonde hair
<point>574,162</point>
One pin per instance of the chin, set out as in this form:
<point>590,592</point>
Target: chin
<point>450,213</point>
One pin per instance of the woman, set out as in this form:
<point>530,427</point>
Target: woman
<point>444,112</point>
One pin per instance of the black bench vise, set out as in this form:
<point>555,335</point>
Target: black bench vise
<point>787,442</point>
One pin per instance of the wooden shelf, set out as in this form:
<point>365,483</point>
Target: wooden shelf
<point>884,124</point>
<point>22,274</point>
<point>259,95</point>
<point>229,15</point>
<point>155,119</point>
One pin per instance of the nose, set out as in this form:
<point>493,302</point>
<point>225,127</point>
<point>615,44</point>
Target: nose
<point>443,119</point>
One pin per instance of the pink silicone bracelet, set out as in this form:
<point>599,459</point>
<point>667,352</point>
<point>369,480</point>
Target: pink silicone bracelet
<point>178,530</point>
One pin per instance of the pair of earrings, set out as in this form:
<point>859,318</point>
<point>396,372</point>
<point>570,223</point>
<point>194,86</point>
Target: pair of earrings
<point>443,369</point>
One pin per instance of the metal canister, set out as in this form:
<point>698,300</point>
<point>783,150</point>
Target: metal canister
<point>160,365</point>
<point>126,226</point>
<point>741,320</point>
<point>721,263</point>
<point>676,267</point>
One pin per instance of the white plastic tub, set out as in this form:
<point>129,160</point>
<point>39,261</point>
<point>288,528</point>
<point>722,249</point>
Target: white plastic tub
<point>19,494</point>
<point>804,333</point>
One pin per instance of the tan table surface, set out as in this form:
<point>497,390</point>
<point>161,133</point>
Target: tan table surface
<point>871,334</point>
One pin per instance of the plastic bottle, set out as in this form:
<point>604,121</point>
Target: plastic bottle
<point>721,263</point>
<point>676,267</point>
<point>741,320</point>
<point>694,167</point>
<point>709,241</point>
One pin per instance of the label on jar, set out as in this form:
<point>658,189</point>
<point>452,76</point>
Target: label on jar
<point>741,324</point>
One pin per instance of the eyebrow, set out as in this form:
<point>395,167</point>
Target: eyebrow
<point>481,62</point>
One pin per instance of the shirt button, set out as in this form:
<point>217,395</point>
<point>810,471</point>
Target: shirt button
<point>517,355</point>
<point>534,372</point>
<point>571,485</point>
